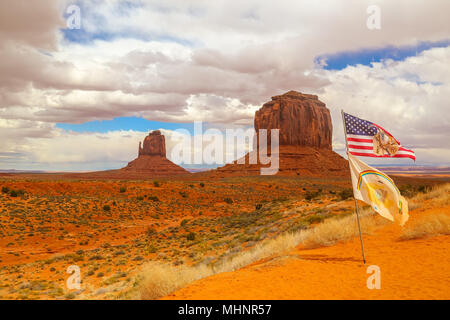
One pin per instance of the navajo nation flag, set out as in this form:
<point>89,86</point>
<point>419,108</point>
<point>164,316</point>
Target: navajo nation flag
<point>368,139</point>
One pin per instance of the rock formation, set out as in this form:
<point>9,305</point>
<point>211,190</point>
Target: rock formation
<point>154,145</point>
<point>152,159</point>
<point>151,162</point>
<point>303,120</point>
<point>305,138</point>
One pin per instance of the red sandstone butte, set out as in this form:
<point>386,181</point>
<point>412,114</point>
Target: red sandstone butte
<point>152,159</point>
<point>151,162</point>
<point>304,138</point>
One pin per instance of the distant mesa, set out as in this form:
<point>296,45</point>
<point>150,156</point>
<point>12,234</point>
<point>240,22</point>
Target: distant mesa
<point>151,162</point>
<point>152,159</point>
<point>305,138</point>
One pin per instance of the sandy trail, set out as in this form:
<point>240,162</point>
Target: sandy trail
<point>413,269</point>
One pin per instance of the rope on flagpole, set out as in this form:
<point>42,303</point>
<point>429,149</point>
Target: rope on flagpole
<point>356,203</point>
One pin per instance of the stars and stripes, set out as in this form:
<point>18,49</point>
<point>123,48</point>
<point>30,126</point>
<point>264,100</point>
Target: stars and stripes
<point>363,139</point>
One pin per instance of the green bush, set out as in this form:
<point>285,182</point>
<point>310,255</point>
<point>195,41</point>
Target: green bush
<point>191,236</point>
<point>228,200</point>
<point>156,184</point>
<point>13,193</point>
<point>153,198</point>
<point>106,208</point>
<point>5,189</point>
<point>123,189</point>
<point>345,194</point>
<point>202,184</point>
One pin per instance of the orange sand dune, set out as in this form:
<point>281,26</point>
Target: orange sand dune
<point>413,269</point>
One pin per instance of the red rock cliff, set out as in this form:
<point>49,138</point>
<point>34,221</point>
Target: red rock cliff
<point>154,145</point>
<point>303,120</point>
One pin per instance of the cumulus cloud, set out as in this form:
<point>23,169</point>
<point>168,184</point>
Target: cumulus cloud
<point>215,61</point>
<point>409,97</point>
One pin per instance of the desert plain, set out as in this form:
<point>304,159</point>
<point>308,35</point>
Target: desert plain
<point>200,237</point>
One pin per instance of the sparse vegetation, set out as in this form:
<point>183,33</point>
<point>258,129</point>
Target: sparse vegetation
<point>345,194</point>
<point>429,225</point>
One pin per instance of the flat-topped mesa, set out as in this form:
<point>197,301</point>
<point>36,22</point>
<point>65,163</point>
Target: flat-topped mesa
<point>305,139</point>
<point>154,145</point>
<point>303,120</point>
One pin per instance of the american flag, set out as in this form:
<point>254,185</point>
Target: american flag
<point>363,137</point>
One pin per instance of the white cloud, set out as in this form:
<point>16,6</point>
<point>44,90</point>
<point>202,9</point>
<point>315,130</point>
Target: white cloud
<point>215,61</point>
<point>409,98</point>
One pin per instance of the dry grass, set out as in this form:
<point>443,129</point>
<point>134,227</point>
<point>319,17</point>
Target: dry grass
<point>440,195</point>
<point>429,225</point>
<point>159,280</point>
<point>334,230</point>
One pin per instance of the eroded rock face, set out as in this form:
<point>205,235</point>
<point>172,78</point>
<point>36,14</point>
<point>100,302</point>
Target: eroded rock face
<point>303,120</point>
<point>151,160</point>
<point>305,139</point>
<point>154,145</point>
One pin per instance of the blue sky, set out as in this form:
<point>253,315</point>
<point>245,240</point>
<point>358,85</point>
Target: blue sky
<point>124,123</point>
<point>341,60</point>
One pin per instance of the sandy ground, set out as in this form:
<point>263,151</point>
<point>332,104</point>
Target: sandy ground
<point>413,269</point>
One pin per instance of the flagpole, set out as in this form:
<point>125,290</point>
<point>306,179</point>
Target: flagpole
<point>356,203</point>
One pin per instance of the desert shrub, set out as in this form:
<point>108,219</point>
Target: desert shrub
<point>345,194</point>
<point>183,223</point>
<point>309,195</point>
<point>183,194</point>
<point>258,206</point>
<point>140,198</point>
<point>202,184</point>
<point>156,184</point>
<point>190,236</point>
<point>314,219</point>
<point>5,189</point>
<point>106,208</point>
<point>228,200</point>
<point>13,193</point>
<point>150,232</point>
<point>153,198</point>
<point>123,189</point>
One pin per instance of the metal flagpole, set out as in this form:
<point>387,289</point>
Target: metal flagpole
<point>356,203</point>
